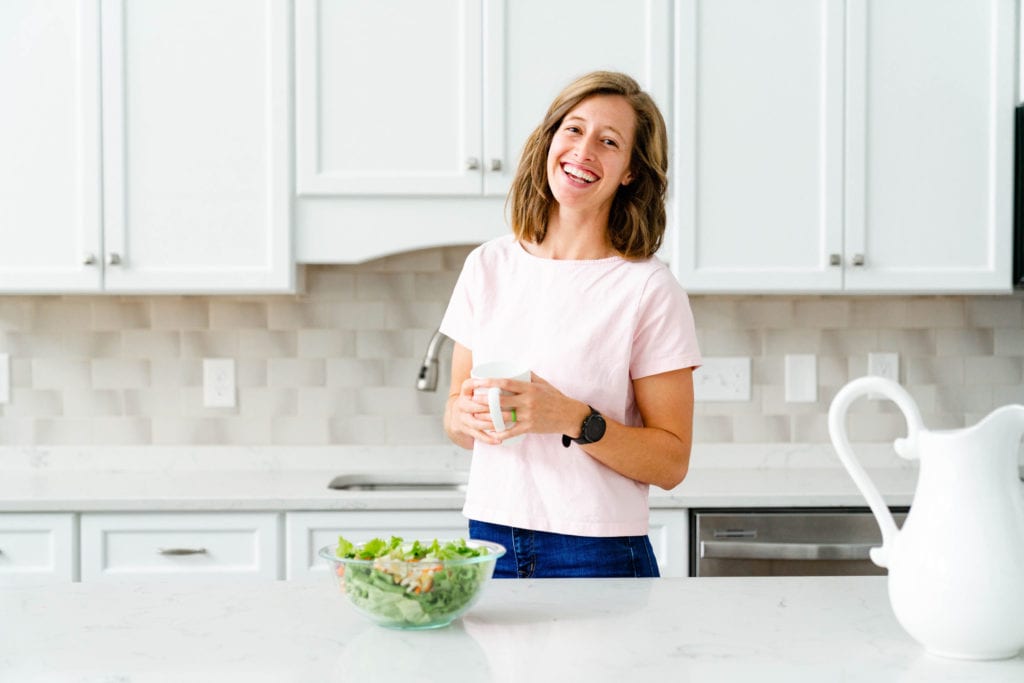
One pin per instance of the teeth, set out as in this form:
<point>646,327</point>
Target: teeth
<point>580,174</point>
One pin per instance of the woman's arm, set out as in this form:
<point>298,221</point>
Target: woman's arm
<point>657,453</point>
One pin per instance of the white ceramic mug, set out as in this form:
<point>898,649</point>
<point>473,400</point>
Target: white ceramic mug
<point>498,370</point>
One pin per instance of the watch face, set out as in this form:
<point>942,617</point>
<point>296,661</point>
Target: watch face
<point>593,428</point>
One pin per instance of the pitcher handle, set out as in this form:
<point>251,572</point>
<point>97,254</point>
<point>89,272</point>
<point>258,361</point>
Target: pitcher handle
<point>906,448</point>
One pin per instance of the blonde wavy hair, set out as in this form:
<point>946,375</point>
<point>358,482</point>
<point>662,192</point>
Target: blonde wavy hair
<point>636,224</point>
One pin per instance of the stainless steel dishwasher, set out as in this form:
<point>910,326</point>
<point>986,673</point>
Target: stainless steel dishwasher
<point>785,541</point>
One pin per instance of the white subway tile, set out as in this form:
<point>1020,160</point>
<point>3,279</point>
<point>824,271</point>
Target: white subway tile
<point>115,314</point>
<point>59,373</point>
<point>120,373</point>
<point>180,313</point>
<point>298,431</point>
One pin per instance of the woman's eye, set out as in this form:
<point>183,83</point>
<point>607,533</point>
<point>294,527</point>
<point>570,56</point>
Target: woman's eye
<point>572,129</point>
<point>611,143</point>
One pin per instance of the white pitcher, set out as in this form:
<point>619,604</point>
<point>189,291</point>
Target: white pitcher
<point>956,568</point>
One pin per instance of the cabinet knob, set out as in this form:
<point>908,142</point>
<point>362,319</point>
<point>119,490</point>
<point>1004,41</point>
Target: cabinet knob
<point>858,260</point>
<point>495,164</point>
<point>89,260</point>
<point>115,259</point>
<point>834,260</point>
<point>472,163</point>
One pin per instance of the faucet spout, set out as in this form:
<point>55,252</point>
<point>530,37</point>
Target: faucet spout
<point>427,380</point>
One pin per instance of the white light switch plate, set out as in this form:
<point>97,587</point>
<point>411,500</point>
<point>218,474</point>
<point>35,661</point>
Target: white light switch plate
<point>722,379</point>
<point>5,378</point>
<point>801,378</point>
<point>219,382</point>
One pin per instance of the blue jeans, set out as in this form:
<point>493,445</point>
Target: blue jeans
<point>542,554</point>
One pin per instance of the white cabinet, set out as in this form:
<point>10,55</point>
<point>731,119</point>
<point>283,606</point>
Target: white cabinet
<point>180,546</point>
<point>307,532</point>
<point>147,146</point>
<point>669,533</point>
<point>403,106</point>
<point>859,146</point>
<point>38,548</point>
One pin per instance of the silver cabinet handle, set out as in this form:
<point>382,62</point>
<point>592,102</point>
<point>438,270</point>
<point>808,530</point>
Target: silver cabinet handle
<point>858,259</point>
<point>743,550</point>
<point>115,259</point>
<point>182,551</point>
<point>835,260</point>
<point>89,260</point>
<point>472,163</point>
<point>495,164</point>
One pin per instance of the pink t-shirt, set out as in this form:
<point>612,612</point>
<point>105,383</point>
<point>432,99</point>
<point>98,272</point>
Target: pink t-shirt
<point>588,328</point>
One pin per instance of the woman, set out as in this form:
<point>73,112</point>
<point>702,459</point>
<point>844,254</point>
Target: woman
<point>577,297</point>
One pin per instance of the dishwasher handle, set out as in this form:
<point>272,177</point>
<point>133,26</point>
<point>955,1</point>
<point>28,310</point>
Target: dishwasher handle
<point>758,550</point>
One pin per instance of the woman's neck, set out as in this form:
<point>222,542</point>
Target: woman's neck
<point>571,236</point>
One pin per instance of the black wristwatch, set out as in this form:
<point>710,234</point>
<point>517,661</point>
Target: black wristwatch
<point>591,431</point>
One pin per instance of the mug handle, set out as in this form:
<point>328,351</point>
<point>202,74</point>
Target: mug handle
<point>494,403</point>
<point>906,448</point>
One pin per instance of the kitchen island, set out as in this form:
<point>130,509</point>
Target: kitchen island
<point>818,629</point>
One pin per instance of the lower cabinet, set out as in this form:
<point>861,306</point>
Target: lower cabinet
<point>38,547</point>
<point>307,532</point>
<point>180,545</point>
<point>205,546</point>
<point>669,533</point>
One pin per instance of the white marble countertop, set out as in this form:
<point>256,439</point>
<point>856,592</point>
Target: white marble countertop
<point>233,479</point>
<point>696,630</point>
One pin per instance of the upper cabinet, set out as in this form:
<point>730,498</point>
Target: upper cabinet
<point>411,116</point>
<point>147,146</point>
<point>858,146</point>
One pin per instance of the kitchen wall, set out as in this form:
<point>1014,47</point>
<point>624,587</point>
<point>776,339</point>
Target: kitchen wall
<point>337,364</point>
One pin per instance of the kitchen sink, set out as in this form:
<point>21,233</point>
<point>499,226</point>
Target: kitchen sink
<point>406,480</point>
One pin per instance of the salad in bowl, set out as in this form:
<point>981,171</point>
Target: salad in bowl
<point>412,585</point>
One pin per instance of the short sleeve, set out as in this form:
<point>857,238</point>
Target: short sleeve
<point>457,323</point>
<point>665,338</point>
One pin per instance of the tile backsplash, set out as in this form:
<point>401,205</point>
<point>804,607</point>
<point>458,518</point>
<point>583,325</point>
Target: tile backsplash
<point>337,364</point>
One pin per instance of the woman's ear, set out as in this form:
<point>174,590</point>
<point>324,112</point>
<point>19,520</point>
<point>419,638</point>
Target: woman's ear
<point>628,179</point>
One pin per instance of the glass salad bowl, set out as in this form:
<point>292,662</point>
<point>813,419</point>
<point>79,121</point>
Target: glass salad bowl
<point>412,585</point>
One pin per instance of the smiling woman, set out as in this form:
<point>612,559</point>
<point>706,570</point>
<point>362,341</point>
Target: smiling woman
<point>576,296</point>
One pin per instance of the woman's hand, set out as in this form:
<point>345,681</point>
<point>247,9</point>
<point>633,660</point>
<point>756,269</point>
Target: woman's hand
<point>469,419</point>
<point>539,408</point>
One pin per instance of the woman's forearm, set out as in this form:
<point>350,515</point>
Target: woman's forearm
<point>647,454</point>
<point>458,438</point>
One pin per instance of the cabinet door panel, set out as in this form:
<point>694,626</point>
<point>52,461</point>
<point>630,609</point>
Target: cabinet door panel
<point>196,170</point>
<point>388,97</point>
<point>180,545</point>
<point>50,137</point>
<point>536,47</point>
<point>930,113</point>
<point>37,548</point>
<point>758,144</point>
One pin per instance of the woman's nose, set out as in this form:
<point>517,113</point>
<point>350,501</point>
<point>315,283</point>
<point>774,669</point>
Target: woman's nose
<point>584,148</point>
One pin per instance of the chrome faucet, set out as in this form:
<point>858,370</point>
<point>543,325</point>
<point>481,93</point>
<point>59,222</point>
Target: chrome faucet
<point>427,380</point>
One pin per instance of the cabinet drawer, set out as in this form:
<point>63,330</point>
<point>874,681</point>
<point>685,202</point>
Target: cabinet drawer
<point>37,548</point>
<point>310,531</point>
<point>180,545</point>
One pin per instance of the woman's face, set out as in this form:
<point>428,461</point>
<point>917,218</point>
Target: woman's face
<point>588,159</point>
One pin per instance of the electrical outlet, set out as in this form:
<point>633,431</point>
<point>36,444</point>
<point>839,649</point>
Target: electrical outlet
<point>801,378</point>
<point>722,379</point>
<point>219,382</point>
<point>885,365</point>
<point>5,378</point>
